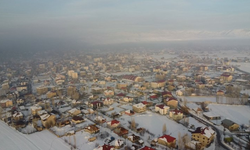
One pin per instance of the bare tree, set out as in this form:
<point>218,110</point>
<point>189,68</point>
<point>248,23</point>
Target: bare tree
<point>185,102</point>
<point>180,142</point>
<point>74,141</point>
<point>133,124</point>
<point>164,129</point>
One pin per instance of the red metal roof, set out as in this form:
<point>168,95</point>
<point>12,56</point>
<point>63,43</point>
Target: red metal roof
<point>168,138</point>
<point>114,122</point>
<point>129,77</point>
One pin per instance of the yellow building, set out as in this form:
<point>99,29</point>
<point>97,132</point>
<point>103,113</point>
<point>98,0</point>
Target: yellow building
<point>139,107</point>
<point>6,103</point>
<point>204,135</point>
<point>176,114</point>
<point>34,109</point>
<point>171,102</point>
<point>230,125</point>
<point>158,84</point>
<point>41,90</point>
<point>167,140</point>
<point>51,94</point>
<point>74,112</point>
<point>226,77</point>
<point>48,120</point>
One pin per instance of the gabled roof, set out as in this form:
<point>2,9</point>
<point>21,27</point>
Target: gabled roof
<point>208,132</point>
<point>171,99</point>
<point>161,106</point>
<point>176,111</point>
<point>167,138</point>
<point>129,77</point>
<point>227,122</point>
<point>114,122</point>
<point>105,147</point>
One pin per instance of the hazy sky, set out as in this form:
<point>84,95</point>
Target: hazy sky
<point>56,23</point>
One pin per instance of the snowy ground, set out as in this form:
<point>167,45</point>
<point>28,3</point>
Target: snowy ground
<point>200,98</point>
<point>154,123</point>
<point>237,113</point>
<point>11,139</point>
<point>243,66</point>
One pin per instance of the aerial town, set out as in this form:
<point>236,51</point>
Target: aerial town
<point>135,100</point>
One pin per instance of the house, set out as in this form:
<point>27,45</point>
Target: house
<point>19,101</point>
<point>51,94</point>
<point>153,96</point>
<point>147,148</point>
<point>129,112</point>
<point>77,119</point>
<point>148,104</point>
<point>62,123</point>
<point>105,147</point>
<point>132,78</point>
<point>91,129</point>
<point>74,112</point>
<point>19,124</point>
<point>109,93</point>
<point>220,93</point>
<point>162,109</point>
<point>133,138</point>
<point>230,125</point>
<point>17,116</point>
<point>211,116</point>
<point>200,85</point>
<point>41,90</point>
<point>76,102</point>
<point>6,103</point>
<point>139,107</point>
<point>171,102</point>
<point>226,77</point>
<point>48,120</point>
<point>122,85</point>
<point>100,119</point>
<point>34,109</point>
<point>194,145</point>
<point>179,93</point>
<point>167,140</point>
<point>166,94</point>
<point>204,135</point>
<point>121,95</point>
<point>108,101</point>
<point>120,131</point>
<point>96,104</point>
<point>158,84</point>
<point>128,99</point>
<point>113,123</point>
<point>118,143</point>
<point>176,114</point>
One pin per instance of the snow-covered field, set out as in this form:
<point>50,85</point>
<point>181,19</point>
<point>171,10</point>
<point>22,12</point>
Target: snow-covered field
<point>200,98</point>
<point>243,66</point>
<point>237,113</point>
<point>11,139</point>
<point>154,123</point>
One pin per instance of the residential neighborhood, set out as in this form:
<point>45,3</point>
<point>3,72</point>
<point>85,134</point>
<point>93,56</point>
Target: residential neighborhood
<point>129,100</point>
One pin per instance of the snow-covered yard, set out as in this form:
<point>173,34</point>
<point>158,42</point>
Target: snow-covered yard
<point>11,139</point>
<point>237,113</point>
<point>154,123</point>
<point>200,98</point>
